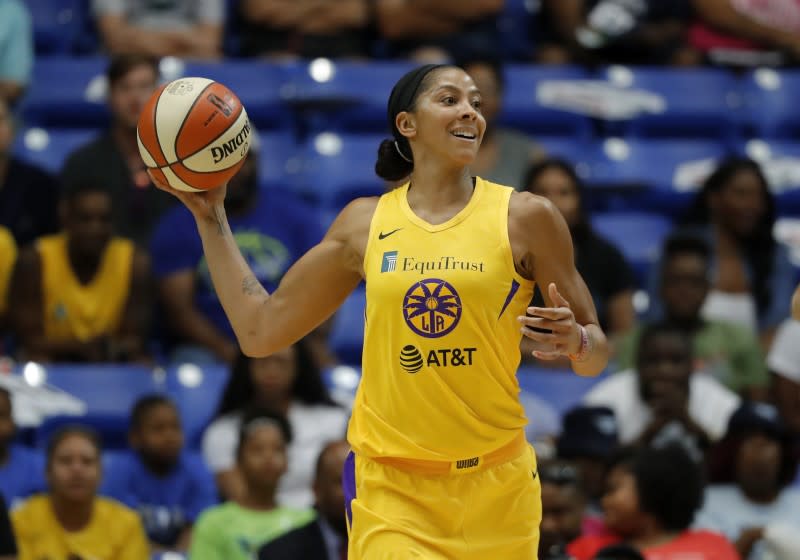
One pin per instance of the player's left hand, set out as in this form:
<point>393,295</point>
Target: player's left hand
<point>564,337</point>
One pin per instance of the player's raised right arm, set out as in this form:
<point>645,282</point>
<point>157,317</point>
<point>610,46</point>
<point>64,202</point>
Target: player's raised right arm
<point>312,289</point>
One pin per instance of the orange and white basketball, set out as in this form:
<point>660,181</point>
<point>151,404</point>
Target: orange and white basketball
<point>193,134</point>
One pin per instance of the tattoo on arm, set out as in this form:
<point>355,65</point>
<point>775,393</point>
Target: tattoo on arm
<point>252,287</point>
<point>219,218</point>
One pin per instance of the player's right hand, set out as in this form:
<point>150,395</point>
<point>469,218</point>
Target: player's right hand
<point>201,204</point>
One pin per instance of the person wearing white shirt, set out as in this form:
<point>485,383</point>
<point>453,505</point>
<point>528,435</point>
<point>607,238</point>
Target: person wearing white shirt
<point>663,397</point>
<point>783,361</point>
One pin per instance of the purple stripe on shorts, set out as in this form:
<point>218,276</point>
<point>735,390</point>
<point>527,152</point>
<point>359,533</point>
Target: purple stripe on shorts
<point>349,485</point>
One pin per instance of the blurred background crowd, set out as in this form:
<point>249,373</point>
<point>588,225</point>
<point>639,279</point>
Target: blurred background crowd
<point>666,133</point>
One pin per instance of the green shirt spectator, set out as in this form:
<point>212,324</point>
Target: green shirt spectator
<point>727,351</point>
<point>16,49</point>
<point>232,532</point>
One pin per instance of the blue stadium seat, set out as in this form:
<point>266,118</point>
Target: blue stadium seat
<point>261,87</point>
<point>50,148</point>
<point>347,331</point>
<point>655,174</point>
<point>197,393</point>
<point>279,161</point>
<point>560,388</point>
<point>771,98</point>
<point>699,103</point>
<point>639,235</point>
<point>522,109</point>
<point>58,24</point>
<point>338,168</point>
<point>346,96</point>
<point>111,428</point>
<point>516,23</point>
<point>66,92</point>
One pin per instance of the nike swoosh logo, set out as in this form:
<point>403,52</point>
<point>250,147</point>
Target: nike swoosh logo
<point>382,235</point>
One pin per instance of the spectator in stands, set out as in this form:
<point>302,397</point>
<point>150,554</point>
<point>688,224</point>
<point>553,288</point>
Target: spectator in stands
<point>563,507</point>
<point>113,161</point>
<point>783,362</point>
<point>82,294</point>
<point>8,544</point>
<point>70,520</point>
<point>238,528</point>
<point>324,538</point>
<point>438,30</point>
<point>651,500</point>
<point>167,486</point>
<point>286,382</point>
<point>272,229</point>
<point>505,154</point>
<point>728,351</point>
<point>16,50</point>
<point>28,195</point>
<point>306,28</point>
<point>739,32</point>
<point>8,257</point>
<point>663,398</point>
<point>605,271</point>
<point>602,31</point>
<point>588,441</point>
<point>751,276</point>
<point>752,468</point>
<point>183,28</point>
<point>21,468</point>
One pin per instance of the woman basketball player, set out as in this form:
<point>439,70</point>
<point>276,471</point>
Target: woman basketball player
<point>440,467</point>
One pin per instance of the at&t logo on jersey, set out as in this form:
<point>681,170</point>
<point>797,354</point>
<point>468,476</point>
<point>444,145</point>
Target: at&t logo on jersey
<point>432,308</point>
<point>412,360</point>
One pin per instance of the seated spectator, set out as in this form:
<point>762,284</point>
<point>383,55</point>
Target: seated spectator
<point>588,441</point>
<point>70,520</point>
<point>272,229</point>
<point>8,544</point>
<point>736,31</point>
<point>751,275</point>
<point>563,507</point>
<point>324,538</point>
<point>605,271</point>
<point>21,468</point>
<point>238,528</point>
<point>437,30</point>
<point>168,487</point>
<point>28,195</point>
<point>288,383</point>
<point>8,257</point>
<point>651,500</point>
<point>663,398</point>
<point>112,159</point>
<point>184,28</point>
<point>305,28</point>
<point>752,467</point>
<point>603,31</point>
<point>82,294</point>
<point>16,50</point>
<point>783,362</point>
<point>505,154</point>
<point>728,351</point>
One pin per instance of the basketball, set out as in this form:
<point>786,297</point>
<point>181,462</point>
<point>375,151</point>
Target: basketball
<point>193,134</point>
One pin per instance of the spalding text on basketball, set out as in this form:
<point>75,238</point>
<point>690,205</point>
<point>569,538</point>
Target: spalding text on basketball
<point>231,146</point>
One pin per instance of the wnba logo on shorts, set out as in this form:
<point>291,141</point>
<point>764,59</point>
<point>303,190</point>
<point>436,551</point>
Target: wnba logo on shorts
<point>432,308</point>
<point>468,463</point>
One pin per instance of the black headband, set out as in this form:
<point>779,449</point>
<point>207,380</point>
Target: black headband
<point>404,93</point>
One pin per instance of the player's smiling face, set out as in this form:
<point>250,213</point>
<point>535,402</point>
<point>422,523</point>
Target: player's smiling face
<point>447,117</point>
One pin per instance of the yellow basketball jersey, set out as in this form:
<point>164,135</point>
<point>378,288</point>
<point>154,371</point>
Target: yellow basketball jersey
<point>75,311</point>
<point>441,343</point>
<point>8,256</point>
